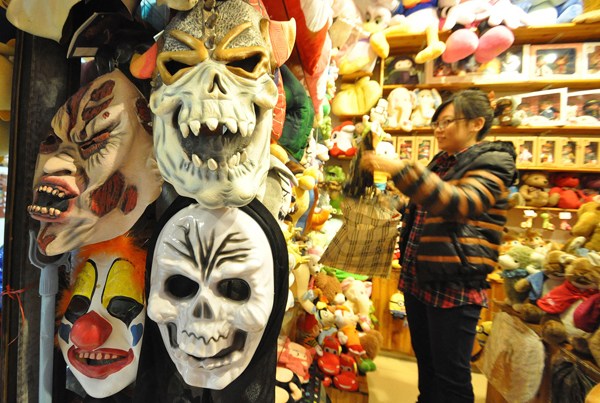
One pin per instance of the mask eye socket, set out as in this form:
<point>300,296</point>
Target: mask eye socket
<point>125,309</point>
<point>248,64</point>
<point>50,144</point>
<point>78,307</point>
<point>235,289</point>
<point>181,287</point>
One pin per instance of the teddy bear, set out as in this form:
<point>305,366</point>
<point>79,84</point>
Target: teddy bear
<point>566,185</point>
<point>513,264</point>
<point>504,112</point>
<point>586,231</point>
<point>586,317</point>
<point>534,189</point>
<point>582,279</point>
<point>542,282</point>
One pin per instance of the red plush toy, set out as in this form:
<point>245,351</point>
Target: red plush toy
<point>567,186</point>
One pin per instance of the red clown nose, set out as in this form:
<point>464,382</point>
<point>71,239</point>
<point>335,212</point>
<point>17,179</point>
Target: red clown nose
<point>90,331</point>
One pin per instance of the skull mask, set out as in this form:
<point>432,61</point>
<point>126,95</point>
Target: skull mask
<point>95,174</point>
<point>213,104</point>
<point>101,330</point>
<point>212,292</point>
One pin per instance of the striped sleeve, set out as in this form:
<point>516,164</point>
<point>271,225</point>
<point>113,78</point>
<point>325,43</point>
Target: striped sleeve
<point>476,192</point>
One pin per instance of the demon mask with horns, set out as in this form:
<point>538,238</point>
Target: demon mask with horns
<point>213,100</point>
<point>95,174</point>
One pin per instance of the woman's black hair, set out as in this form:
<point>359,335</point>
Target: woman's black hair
<point>470,104</point>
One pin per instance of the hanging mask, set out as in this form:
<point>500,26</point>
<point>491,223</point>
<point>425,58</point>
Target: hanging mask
<point>213,100</point>
<point>95,174</point>
<point>101,329</point>
<point>217,293</point>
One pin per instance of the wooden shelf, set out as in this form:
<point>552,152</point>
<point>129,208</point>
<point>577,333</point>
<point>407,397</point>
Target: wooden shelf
<point>512,130</point>
<point>514,86</point>
<point>544,208</point>
<point>558,169</point>
<point>558,33</point>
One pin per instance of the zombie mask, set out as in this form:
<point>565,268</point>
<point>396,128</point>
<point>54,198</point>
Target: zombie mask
<point>95,174</point>
<point>213,102</point>
<point>212,293</point>
<point>101,330</point>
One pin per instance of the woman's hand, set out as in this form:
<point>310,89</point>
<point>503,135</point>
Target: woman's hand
<point>370,161</point>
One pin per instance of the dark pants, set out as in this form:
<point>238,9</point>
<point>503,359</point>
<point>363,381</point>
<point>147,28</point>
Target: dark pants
<point>443,342</point>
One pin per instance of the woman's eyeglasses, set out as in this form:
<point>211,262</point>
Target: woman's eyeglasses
<point>442,124</point>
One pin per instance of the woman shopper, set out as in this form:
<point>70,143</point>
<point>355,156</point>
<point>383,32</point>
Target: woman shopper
<point>451,231</point>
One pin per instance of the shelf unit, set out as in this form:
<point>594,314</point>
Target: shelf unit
<point>559,33</point>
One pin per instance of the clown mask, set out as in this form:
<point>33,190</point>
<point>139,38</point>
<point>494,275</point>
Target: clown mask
<point>213,101</point>
<point>101,330</point>
<point>211,292</point>
<point>95,174</point>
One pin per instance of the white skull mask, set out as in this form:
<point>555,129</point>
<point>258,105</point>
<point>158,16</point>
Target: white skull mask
<point>96,173</point>
<point>101,331</point>
<point>211,292</point>
<point>213,104</point>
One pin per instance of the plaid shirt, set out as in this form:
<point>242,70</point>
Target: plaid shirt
<point>440,298</point>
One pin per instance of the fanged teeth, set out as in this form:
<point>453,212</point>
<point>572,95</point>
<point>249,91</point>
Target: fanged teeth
<point>212,164</point>
<point>197,161</point>
<point>231,125</point>
<point>234,160</point>
<point>243,129</point>
<point>185,130</point>
<point>212,123</point>
<point>195,126</point>
<point>243,157</point>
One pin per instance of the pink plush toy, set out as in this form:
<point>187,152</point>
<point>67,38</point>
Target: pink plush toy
<point>491,43</point>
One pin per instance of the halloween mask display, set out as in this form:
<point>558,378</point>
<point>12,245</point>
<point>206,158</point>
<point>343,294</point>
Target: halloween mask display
<point>95,174</point>
<point>216,293</point>
<point>101,330</point>
<point>213,102</point>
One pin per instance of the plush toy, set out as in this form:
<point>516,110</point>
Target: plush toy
<point>566,186</point>
<point>347,379</point>
<point>587,226</point>
<point>582,278</point>
<point>542,282</point>
<point>513,263</point>
<point>346,322</point>
<point>427,100</point>
<point>342,139</point>
<point>504,112</point>
<point>356,98</point>
<point>294,357</point>
<point>361,54</point>
<point>401,103</point>
<point>331,288</point>
<point>417,18</point>
<point>586,317</point>
<point>549,12</point>
<point>534,189</point>
<point>464,42</point>
<point>357,295</point>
